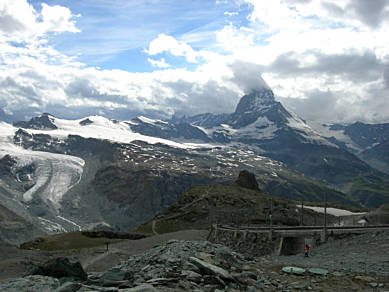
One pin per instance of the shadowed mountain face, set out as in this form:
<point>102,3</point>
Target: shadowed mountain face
<point>378,156</point>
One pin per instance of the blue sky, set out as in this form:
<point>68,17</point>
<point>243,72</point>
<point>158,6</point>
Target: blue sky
<point>327,60</point>
<point>114,34</point>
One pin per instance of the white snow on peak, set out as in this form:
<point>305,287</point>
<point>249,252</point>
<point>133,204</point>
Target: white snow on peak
<point>297,123</point>
<point>325,131</point>
<point>151,121</point>
<point>262,128</point>
<point>103,128</point>
<point>228,128</point>
<point>262,101</point>
<point>7,132</point>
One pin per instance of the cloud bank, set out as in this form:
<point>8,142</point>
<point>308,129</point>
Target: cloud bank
<point>326,60</point>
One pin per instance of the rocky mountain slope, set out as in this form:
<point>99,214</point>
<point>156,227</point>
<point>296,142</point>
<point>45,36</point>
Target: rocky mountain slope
<point>124,185</point>
<point>263,125</point>
<point>67,177</point>
<point>378,156</point>
<point>356,137</point>
<point>368,141</point>
<point>101,173</point>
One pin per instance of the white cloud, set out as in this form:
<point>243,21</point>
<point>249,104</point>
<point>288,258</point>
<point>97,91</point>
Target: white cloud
<point>158,63</point>
<point>165,43</point>
<point>274,14</point>
<point>17,19</point>
<point>20,22</point>
<point>57,19</point>
<point>325,59</point>
<point>231,39</point>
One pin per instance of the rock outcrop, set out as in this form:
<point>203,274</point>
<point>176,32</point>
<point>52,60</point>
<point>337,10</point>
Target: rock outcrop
<point>60,268</point>
<point>247,180</point>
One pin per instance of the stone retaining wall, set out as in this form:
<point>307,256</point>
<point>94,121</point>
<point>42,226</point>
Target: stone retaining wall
<point>262,243</point>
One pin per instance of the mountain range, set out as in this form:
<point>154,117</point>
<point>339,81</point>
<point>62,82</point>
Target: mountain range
<point>93,173</point>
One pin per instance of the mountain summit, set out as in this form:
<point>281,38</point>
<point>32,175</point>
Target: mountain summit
<point>255,101</point>
<point>261,106</point>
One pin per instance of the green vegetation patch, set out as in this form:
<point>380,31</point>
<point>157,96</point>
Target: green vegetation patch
<point>65,241</point>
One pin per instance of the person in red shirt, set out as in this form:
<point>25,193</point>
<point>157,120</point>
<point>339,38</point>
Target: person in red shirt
<point>306,250</point>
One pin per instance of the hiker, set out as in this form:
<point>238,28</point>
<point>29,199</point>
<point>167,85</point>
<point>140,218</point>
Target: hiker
<point>306,250</point>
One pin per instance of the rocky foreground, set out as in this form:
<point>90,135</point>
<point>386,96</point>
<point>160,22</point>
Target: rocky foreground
<point>356,263</point>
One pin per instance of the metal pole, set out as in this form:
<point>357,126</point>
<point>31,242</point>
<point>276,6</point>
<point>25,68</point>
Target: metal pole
<point>271,219</point>
<point>271,213</point>
<point>302,211</point>
<point>325,217</point>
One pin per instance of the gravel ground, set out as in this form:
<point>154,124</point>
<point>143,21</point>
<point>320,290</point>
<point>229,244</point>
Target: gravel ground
<point>355,263</point>
<point>15,262</point>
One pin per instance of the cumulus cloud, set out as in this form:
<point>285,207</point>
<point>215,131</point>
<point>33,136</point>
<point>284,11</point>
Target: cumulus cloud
<point>57,19</point>
<point>20,22</point>
<point>158,63</point>
<point>326,60</point>
<point>353,66</point>
<point>16,17</point>
<point>370,13</point>
<point>360,13</point>
<point>247,76</point>
<point>165,43</point>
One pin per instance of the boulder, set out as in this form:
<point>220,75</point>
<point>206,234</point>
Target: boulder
<point>69,287</point>
<point>247,180</point>
<point>115,274</point>
<point>192,276</point>
<point>210,269</point>
<point>293,270</point>
<point>60,268</point>
<point>141,288</point>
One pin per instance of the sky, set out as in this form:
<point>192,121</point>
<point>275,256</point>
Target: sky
<point>326,60</point>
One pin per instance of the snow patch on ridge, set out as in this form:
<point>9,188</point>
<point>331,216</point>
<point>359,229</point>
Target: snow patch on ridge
<point>333,211</point>
<point>150,121</point>
<point>262,128</point>
<point>304,129</point>
<point>325,131</point>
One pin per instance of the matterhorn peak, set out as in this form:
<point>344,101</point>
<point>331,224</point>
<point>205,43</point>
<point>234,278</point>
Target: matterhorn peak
<point>256,100</point>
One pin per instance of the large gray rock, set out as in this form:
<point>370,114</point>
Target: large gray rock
<point>30,283</point>
<point>247,180</point>
<point>210,269</point>
<point>60,268</point>
<point>69,287</point>
<point>192,276</point>
<point>115,276</point>
<point>141,288</point>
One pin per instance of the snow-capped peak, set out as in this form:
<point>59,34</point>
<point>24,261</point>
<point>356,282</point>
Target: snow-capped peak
<point>255,101</point>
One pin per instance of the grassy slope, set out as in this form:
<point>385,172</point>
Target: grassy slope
<point>203,205</point>
<point>65,241</point>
